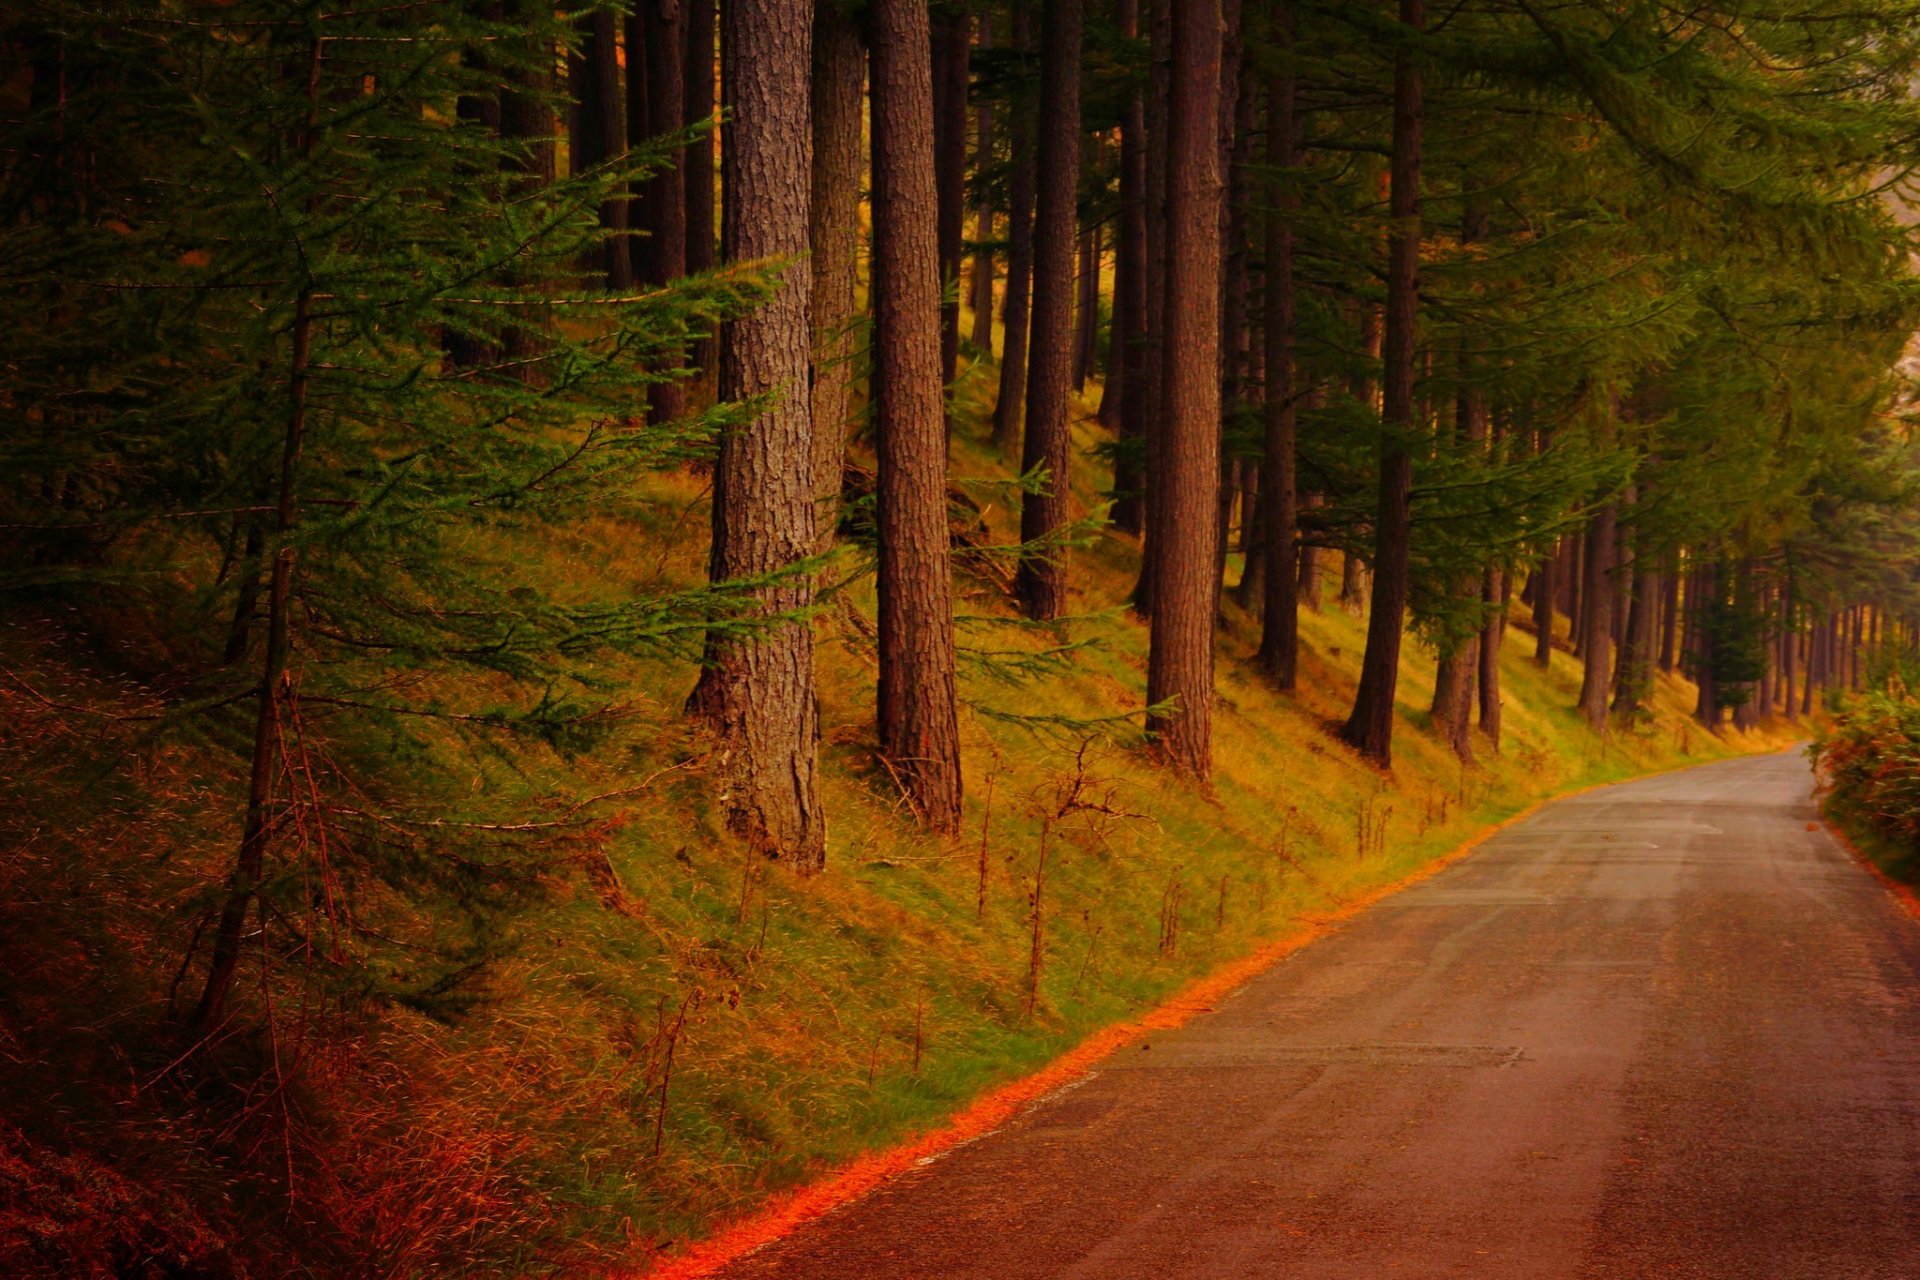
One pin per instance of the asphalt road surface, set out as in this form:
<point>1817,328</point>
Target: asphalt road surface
<point>1658,1030</point>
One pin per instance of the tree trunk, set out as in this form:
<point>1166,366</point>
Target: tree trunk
<point>1789,646</point>
<point>600,134</point>
<point>1009,406</point>
<point>1086,307</point>
<point>243,886</point>
<point>760,696</point>
<point>980,293</point>
<point>698,80</point>
<point>1237,118</point>
<point>839,72</point>
<point>1279,653</point>
<point>1180,660</point>
<point>1707,708</point>
<point>919,725</point>
<point>1311,559</point>
<point>1597,617</point>
<point>1130,302</point>
<point>1370,727</point>
<point>1041,578</point>
<point>666,199</point>
<point>1670,613</point>
<point>1633,680</point>
<point>526,117</point>
<point>952,40</point>
<point>1494,589</point>
<point>1153,373</point>
<point>1545,589</point>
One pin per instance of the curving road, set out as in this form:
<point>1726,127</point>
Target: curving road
<point>1662,1029</point>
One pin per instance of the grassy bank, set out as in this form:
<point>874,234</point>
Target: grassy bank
<point>658,1032</point>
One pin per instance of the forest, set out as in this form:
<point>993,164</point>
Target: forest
<point>606,607</point>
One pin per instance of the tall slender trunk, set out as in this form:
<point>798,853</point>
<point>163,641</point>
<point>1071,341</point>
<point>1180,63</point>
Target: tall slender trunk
<point>1788,645</point>
<point>1130,301</point>
<point>1279,653</point>
<point>762,699</point>
<point>1633,678</point>
<point>1597,616</point>
<point>276,687</point>
<point>1544,592</point>
<point>839,72</point>
<point>1086,306</point>
<point>1180,658</point>
<point>600,134</point>
<point>1009,406</point>
<point>1670,612</point>
<point>1495,586</point>
<point>1153,394</point>
<point>666,199</point>
<point>1370,727</point>
<point>1041,578</point>
<point>1707,589</point>
<point>980,286</point>
<point>952,39</point>
<point>526,118</point>
<point>1458,672</point>
<point>1312,557</point>
<point>1237,117</point>
<point>919,723</point>
<point>698,81</point>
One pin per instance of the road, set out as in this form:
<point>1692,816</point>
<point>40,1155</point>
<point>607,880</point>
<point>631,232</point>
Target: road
<point>1663,1029</point>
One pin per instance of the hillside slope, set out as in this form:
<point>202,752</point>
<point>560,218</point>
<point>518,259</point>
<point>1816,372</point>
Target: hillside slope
<point>649,1032</point>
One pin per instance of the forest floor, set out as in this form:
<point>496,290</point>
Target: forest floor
<point>659,1033</point>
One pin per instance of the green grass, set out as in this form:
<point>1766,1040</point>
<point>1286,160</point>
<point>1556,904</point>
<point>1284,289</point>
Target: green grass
<point>520,1135</point>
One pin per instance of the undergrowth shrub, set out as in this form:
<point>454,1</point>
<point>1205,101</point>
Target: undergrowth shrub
<point>1870,759</point>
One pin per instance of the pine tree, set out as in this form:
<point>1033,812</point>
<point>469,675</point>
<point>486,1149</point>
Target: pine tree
<point>919,727</point>
<point>1047,451</point>
<point>1370,726</point>
<point>1180,660</point>
<point>308,229</point>
<point>760,695</point>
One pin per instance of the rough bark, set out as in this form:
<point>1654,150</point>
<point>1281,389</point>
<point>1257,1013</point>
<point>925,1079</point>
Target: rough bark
<point>1041,579</point>
<point>1312,558</point>
<point>1279,654</point>
<point>1458,672</point>
<point>1086,307</point>
<point>600,134</point>
<point>666,198</point>
<point>1596,619</point>
<point>1494,588</point>
<point>980,285</point>
<point>1234,128</point>
<point>1633,674</point>
<point>839,73</point>
<point>1130,301</point>
<point>1706,589</point>
<point>1010,404</point>
<point>951,48</point>
<point>1670,613</point>
<point>919,725</point>
<point>1545,590</point>
<point>759,693</point>
<point>1180,660</point>
<point>698,81</point>
<point>1370,727</point>
<point>1153,393</point>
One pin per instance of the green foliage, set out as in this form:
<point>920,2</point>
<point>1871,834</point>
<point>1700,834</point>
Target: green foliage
<point>279,296</point>
<point>1870,757</point>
